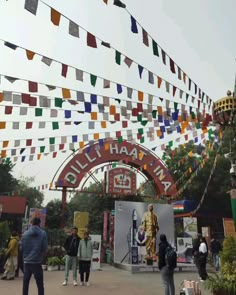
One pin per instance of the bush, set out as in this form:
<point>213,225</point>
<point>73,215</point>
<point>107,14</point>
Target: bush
<point>225,282</point>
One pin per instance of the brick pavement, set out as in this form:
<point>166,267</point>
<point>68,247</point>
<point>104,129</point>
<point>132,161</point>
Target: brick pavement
<point>108,281</point>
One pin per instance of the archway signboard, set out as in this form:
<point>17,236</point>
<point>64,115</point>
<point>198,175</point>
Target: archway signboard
<point>131,154</point>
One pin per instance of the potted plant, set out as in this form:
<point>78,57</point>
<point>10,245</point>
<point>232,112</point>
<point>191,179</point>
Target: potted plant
<point>149,260</point>
<point>224,283</point>
<point>53,263</point>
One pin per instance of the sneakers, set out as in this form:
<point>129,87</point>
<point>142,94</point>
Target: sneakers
<point>75,283</point>
<point>87,284</point>
<point>64,283</point>
<point>81,283</point>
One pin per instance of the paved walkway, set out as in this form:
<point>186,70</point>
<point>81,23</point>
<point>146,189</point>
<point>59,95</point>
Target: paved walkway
<point>108,281</point>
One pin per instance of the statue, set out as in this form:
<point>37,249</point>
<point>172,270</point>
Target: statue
<point>150,224</point>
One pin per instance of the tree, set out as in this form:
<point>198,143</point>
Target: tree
<point>34,197</point>
<point>184,160</point>
<point>95,203</point>
<point>54,212</point>
<point>7,182</point>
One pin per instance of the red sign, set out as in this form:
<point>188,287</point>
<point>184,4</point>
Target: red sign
<point>131,154</point>
<point>120,181</point>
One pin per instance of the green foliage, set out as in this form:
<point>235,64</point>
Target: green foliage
<point>4,234</point>
<point>225,282</point>
<point>53,261</point>
<point>54,214</point>
<point>96,204</point>
<point>7,182</point>
<point>182,158</point>
<point>34,197</point>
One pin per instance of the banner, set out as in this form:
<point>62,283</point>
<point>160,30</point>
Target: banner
<point>81,220</point>
<point>96,241</point>
<point>190,226</point>
<point>229,229</point>
<point>40,213</point>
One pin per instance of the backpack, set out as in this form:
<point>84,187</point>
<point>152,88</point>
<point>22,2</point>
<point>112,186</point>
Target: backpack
<point>171,257</point>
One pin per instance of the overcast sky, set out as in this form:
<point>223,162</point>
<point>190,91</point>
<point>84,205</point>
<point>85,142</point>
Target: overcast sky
<point>199,35</point>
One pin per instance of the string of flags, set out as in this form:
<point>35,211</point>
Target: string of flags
<point>158,51</point>
<point>93,79</point>
<point>91,99</point>
<point>92,41</point>
<point>125,160</point>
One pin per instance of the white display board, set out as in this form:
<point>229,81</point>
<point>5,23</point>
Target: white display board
<point>96,260</point>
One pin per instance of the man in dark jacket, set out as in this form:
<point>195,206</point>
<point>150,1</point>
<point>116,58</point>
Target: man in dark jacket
<point>166,273</point>
<point>33,245</point>
<point>71,246</point>
<point>196,245</point>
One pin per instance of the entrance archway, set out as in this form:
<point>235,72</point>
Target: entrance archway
<point>131,154</point>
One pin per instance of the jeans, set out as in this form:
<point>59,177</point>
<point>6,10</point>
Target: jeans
<point>71,260</point>
<point>168,280</point>
<point>36,270</point>
<point>216,261</point>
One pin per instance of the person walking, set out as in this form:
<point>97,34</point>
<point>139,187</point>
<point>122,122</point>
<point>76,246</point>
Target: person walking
<point>19,259</point>
<point>202,259</point>
<point>167,274</point>
<point>71,246</point>
<point>85,253</point>
<point>11,255</point>
<point>215,252</point>
<point>33,245</point>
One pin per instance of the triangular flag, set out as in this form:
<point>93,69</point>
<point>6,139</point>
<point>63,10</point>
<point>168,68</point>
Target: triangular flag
<point>55,17</point>
<point>145,38</point>
<point>91,40</point>
<point>134,27</point>
<point>30,54</point>
<point>31,6</point>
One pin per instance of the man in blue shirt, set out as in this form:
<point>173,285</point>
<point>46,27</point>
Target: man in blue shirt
<point>34,244</point>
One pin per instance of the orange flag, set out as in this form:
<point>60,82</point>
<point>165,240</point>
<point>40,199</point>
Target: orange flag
<point>140,96</point>
<point>159,80</point>
<point>159,110</point>
<point>96,136</point>
<point>105,1</point>
<point>30,54</point>
<point>112,110</point>
<point>81,144</point>
<point>3,154</point>
<point>1,96</point>
<point>5,144</point>
<point>94,115</point>
<point>55,17</point>
<point>2,125</point>
<point>66,93</point>
<point>104,124</point>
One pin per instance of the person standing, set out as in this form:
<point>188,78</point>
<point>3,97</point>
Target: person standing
<point>215,252</point>
<point>141,238</point>
<point>167,274</point>
<point>196,244</point>
<point>151,227</point>
<point>85,253</point>
<point>202,259</point>
<point>11,254</point>
<point>33,245</point>
<point>71,246</point>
